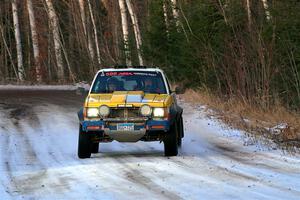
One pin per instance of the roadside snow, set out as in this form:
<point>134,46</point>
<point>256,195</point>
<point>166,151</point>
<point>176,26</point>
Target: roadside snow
<point>278,128</point>
<point>46,87</point>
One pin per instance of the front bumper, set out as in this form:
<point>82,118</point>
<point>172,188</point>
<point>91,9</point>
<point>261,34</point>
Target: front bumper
<point>143,128</point>
<point>139,124</point>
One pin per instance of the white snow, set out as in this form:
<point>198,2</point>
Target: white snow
<point>278,128</point>
<point>38,160</point>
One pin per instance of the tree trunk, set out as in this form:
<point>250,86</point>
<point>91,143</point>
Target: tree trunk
<point>266,7</point>
<point>82,14</point>
<point>125,31</point>
<point>21,73</point>
<point>165,10</point>
<point>8,52</point>
<point>223,11</point>
<point>71,74</point>
<point>85,30</point>
<point>136,30</point>
<point>35,42</point>
<point>57,43</point>
<point>249,14</point>
<point>115,21</point>
<point>175,12</point>
<point>95,33</point>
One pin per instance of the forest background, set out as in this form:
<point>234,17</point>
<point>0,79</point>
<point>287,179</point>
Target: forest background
<point>244,49</point>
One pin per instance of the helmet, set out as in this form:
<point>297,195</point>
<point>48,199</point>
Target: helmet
<point>112,80</point>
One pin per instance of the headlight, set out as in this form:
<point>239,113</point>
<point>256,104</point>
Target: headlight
<point>145,110</point>
<point>104,111</point>
<point>92,112</point>
<point>158,112</point>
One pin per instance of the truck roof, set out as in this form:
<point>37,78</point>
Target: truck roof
<point>131,69</point>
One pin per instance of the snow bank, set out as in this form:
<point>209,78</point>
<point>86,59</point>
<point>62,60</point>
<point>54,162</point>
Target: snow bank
<point>76,86</point>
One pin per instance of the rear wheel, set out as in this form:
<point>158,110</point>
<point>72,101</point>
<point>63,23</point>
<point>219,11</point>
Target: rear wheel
<point>171,140</point>
<point>84,144</point>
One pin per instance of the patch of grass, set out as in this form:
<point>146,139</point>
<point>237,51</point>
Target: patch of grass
<point>276,123</point>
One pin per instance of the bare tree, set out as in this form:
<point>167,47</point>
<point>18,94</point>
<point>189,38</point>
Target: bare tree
<point>35,42</point>
<point>86,33</point>
<point>21,73</point>
<point>249,13</point>
<point>165,10</point>
<point>95,32</point>
<point>266,7</point>
<point>175,12</point>
<point>8,51</point>
<point>125,31</point>
<point>136,30</point>
<point>82,14</point>
<point>57,43</point>
<point>223,11</point>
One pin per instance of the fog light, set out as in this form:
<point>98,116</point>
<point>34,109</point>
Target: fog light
<point>104,111</point>
<point>146,110</point>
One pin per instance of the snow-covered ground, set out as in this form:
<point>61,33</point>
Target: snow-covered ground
<point>38,147</point>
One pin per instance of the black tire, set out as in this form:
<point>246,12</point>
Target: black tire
<point>170,141</point>
<point>95,147</point>
<point>180,130</point>
<point>84,144</point>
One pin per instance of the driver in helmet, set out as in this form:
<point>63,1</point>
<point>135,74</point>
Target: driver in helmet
<point>150,86</point>
<point>112,84</point>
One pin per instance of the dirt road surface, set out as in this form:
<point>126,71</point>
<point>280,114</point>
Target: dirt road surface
<point>38,158</point>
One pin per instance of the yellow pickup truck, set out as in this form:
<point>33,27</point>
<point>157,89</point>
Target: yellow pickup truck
<point>130,104</point>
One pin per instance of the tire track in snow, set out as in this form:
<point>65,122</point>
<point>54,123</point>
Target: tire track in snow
<point>137,175</point>
<point>26,171</point>
<point>19,116</point>
<point>8,178</point>
<point>53,157</point>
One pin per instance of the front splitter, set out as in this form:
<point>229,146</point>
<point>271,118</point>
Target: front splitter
<point>125,136</point>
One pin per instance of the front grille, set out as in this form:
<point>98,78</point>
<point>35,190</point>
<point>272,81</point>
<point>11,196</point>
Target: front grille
<point>124,113</point>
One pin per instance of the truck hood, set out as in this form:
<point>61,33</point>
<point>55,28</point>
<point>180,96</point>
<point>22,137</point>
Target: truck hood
<point>134,98</point>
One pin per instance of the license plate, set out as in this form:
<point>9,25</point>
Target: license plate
<point>125,127</point>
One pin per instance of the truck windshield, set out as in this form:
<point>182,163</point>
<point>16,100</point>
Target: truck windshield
<point>149,82</point>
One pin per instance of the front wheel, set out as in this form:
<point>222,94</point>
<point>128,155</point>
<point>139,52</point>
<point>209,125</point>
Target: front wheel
<point>180,132</point>
<point>171,141</point>
<point>84,144</point>
<point>95,147</point>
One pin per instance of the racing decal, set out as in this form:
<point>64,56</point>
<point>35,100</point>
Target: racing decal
<point>118,98</point>
<point>130,74</point>
<point>119,73</point>
<point>133,98</point>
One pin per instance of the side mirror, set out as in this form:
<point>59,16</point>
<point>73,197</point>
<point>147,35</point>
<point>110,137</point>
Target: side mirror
<point>82,89</point>
<point>179,90</point>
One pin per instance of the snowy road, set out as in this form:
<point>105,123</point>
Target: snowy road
<point>38,159</point>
